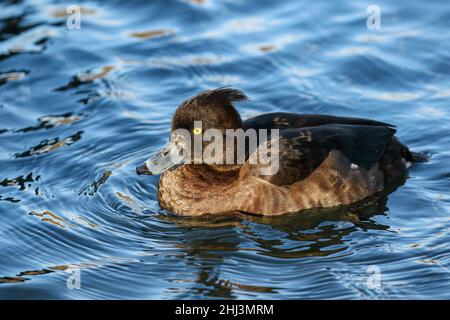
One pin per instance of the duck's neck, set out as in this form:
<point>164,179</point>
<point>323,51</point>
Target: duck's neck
<point>208,176</point>
<point>198,188</point>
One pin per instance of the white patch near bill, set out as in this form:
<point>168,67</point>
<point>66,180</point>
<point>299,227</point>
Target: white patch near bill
<point>406,163</point>
<point>354,166</point>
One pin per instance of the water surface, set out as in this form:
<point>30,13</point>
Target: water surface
<point>79,109</point>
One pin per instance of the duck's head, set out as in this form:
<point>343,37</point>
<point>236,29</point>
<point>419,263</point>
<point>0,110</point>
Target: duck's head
<point>208,111</point>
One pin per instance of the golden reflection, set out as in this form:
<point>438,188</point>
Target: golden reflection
<point>11,76</point>
<point>12,279</point>
<point>85,222</point>
<point>50,145</point>
<point>151,34</point>
<point>62,12</point>
<point>267,48</point>
<point>59,268</point>
<point>59,120</point>
<point>275,44</point>
<point>51,121</point>
<point>131,203</point>
<point>48,216</point>
<point>94,75</point>
<point>429,261</point>
<point>21,276</point>
<point>34,272</point>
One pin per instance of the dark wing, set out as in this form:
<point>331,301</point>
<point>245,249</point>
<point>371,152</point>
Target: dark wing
<point>282,120</point>
<point>302,150</point>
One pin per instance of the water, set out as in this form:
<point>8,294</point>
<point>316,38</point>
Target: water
<point>81,108</point>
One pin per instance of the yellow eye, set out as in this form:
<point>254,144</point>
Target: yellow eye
<point>197,131</point>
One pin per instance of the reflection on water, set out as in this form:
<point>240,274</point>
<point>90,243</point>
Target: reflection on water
<point>11,76</point>
<point>50,145</point>
<point>209,242</point>
<point>150,34</point>
<point>80,108</point>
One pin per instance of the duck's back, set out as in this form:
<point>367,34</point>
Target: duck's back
<point>284,120</point>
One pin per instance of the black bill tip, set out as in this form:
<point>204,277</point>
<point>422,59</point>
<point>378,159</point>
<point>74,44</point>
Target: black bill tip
<point>142,169</point>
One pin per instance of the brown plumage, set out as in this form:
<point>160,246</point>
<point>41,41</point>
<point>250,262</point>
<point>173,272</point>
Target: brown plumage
<point>324,161</point>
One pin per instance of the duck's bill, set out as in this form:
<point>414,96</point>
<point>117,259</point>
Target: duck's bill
<point>169,157</point>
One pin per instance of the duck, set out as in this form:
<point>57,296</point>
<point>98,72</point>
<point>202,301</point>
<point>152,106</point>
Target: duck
<point>323,161</point>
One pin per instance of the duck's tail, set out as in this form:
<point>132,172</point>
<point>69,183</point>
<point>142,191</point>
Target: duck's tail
<point>411,156</point>
<point>419,157</point>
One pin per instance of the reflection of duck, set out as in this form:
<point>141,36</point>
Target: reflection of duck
<point>324,161</point>
<point>212,245</point>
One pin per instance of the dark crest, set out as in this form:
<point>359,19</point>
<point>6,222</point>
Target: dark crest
<point>213,107</point>
<point>217,97</point>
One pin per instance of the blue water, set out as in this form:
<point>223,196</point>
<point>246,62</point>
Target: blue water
<point>79,109</point>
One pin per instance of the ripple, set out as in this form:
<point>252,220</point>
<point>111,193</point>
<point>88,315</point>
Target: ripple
<point>443,93</point>
<point>12,279</point>
<point>430,111</point>
<point>93,188</point>
<point>278,44</point>
<point>21,182</point>
<point>188,60</point>
<point>396,96</point>
<point>30,41</point>
<point>87,77</point>
<point>247,25</point>
<point>388,35</point>
<point>344,52</point>
<point>56,12</point>
<point>132,203</point>
<point>26,275</point>
<point>198,2</point>
<point>151,34</point>
<point>46,145</point>
<point>12,76</point>
<point>51,121</point>
<point>9,199</point>
<point>50,217</point>
<point>95,74</point>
